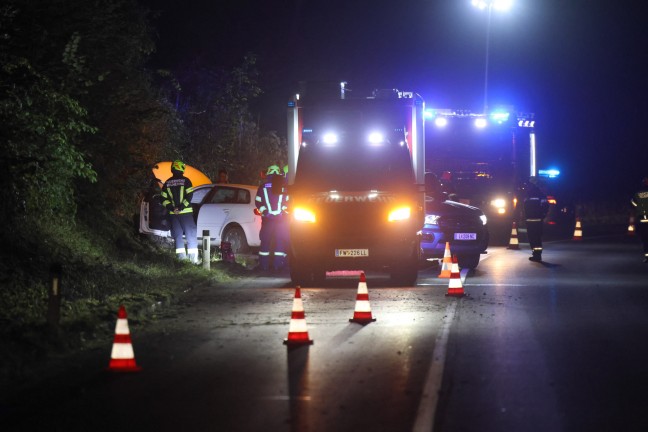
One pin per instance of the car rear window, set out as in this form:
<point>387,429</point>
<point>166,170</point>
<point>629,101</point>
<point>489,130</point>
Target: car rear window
<point>227,195</point>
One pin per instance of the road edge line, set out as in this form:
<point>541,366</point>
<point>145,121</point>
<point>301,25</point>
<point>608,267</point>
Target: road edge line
<point>430,396</point>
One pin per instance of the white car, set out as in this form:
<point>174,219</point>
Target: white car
<point>226,210</point>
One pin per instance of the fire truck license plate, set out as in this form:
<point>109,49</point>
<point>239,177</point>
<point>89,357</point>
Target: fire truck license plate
<point>341,253</point>
<point>465,236</point>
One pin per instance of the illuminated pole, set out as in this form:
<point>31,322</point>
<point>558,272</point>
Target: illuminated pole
<point>489,4</point>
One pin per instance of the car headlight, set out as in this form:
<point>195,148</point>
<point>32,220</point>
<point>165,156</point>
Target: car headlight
<point>483,219</point>
<point>303,215</point>
<point>432,219</point>
<point>401,213</point>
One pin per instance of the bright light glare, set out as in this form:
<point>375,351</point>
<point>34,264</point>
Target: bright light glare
<point>398,214</point>
<point>480,123</point>
<point>441,121</point>
<point>497,4</point>
<point>431,219</point>
<point>498,203</point>
<point>376,138</point>
<point>483,219</point>
<point>303,215</point>
<point>330,138</point>
<point>501,210</point>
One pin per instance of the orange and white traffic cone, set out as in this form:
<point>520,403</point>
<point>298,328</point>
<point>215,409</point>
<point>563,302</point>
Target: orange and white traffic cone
<point>362,313</point>
<point>514,244</point>
<point>446,267</point>
<point>631,226</point>
<point>122,357</point>
<point>297,332</point>
<point>455,287</point>
<point>578,231</point>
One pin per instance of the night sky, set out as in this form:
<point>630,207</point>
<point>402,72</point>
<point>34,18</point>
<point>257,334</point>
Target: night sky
<point>580,65</point>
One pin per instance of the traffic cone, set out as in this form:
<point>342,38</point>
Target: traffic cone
<point>514,244</point>
<point>578,231</point>
<point>447,263</point>
<point>122,358</point>
<point>297,332</point>
<point>455,287</point>
<point>631,226</point>
<point>362,313</point>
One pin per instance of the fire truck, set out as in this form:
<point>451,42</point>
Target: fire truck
<point>482,159</point>
<point>356,181</point>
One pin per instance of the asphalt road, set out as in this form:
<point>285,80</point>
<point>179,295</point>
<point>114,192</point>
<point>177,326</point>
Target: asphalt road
<point>552,346</point>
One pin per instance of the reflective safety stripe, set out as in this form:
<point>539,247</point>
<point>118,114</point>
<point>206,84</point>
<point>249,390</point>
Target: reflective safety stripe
<point>122,327</point>
<point>262,209</point>
<point>537,249</point>
<point>258,198</point>
<point>281,254</point>
<point>264,253</point>
<point>122,351</point>
<point>267,200</point>
<point>192,251</point>
<point>180,250</point>
<point>533,220</point>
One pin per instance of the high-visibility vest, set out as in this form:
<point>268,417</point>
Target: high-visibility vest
<point>176,193</point>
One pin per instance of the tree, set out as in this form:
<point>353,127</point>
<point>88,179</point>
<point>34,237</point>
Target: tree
<point>214,105</point>
<point>42,126</point>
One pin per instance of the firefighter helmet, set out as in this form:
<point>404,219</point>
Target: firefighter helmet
<point>273,169</point>
<point>178,165</point>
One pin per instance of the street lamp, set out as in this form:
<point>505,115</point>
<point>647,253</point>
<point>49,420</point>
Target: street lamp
<point>501,5</point>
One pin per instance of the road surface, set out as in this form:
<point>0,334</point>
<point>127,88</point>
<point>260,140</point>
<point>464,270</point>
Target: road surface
<point>552,346</point>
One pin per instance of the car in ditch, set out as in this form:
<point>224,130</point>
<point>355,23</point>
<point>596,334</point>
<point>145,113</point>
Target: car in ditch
<point>226,210</point>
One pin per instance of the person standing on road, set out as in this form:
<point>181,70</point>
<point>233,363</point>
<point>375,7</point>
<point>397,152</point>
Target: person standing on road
<point>176,195</point>
<point>640,203</point>
<point>536,207</point>
<point>272,202</point>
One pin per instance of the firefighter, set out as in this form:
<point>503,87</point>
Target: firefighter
<point>640,203</point>
<point>176,196</point>
<point>272,202</point>
<point>535,210</point>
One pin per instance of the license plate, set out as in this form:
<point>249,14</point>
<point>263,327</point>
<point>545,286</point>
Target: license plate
<point>465,236</point>
<point>345,253</point>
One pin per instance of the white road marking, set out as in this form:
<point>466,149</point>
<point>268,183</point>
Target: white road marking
<point>430,397</point>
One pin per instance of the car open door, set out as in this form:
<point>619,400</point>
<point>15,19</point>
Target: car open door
<point>153,216</point>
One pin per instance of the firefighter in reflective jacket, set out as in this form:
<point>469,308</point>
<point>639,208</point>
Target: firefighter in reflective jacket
<point>272,202</point>
<point>640,203</point>
<point>176,197</point>
<point>536,207</point>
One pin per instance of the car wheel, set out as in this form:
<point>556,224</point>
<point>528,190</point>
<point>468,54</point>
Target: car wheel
<point>236,237</point>
<point>468,261</point>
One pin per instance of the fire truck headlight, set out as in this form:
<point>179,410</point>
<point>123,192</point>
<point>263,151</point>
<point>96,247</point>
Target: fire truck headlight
<point>303,215</point>
<point>401,213</point>
<point>330,138</point>
<point>483,219</point>
<point>376,138</point>
<point>432,219</point>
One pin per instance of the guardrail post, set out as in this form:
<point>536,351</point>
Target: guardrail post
<point>54,304</point>
<point>206,250</point>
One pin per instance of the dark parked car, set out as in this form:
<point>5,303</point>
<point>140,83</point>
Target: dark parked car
<point>462,225</point>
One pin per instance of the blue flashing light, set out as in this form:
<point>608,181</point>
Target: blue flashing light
<point>291,104</point>
<point>428,114</point>
<point>500,116</point>
<point>307,131</point>
<point>550,173</point>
